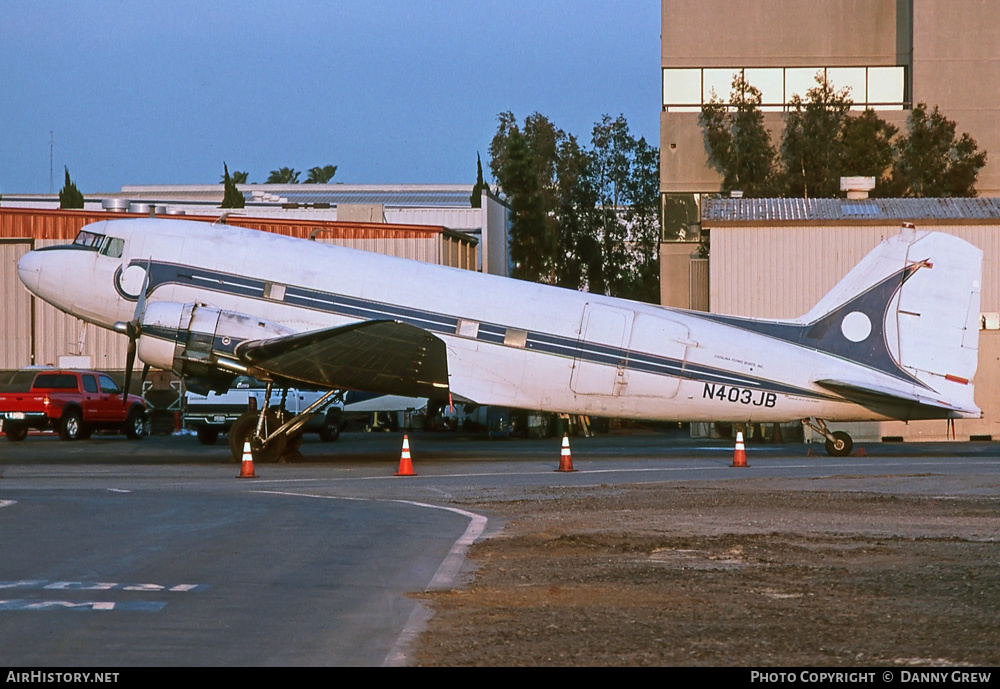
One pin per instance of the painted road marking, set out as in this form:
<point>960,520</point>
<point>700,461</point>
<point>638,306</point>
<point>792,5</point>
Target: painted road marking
<point>123,606</point>
<point>99,586</point>
<point>90,605</point>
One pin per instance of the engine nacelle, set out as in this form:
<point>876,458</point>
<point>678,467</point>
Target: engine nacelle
<point>192,339</point>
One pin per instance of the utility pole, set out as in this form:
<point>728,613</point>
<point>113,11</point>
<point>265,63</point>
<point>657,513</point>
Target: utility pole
<point>51,144</point>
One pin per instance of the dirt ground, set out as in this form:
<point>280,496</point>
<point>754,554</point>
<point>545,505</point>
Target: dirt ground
<point>736,574</point>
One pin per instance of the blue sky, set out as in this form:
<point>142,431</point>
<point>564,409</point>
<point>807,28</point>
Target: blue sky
<point>143,92</point>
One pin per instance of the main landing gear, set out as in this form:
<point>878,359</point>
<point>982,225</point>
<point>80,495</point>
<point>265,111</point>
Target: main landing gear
<point>838,443</point>
<point>274,434</point>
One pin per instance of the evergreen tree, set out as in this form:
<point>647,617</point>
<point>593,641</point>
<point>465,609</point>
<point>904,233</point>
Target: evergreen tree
<point>476,198</point>
<point>231,196</point>
<point>931,161</point>
<point>69,195</point>
<point>812,145</point>
<point>867,149</point>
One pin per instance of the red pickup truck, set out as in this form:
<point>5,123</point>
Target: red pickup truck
<point>74,403</point>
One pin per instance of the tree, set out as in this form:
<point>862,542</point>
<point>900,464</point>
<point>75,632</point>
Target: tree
<point>582,219</point>
<point>931,161</point>
<point>612,154</point>
<point>320,175</point>
<point>578,251</point>
<point>812,145</point>
<point>643,215</point>
<point>69,195</point>
<point>523,162</point>
<point>285,175</point>
<point>867,150</point>
<point>532,242</point>
<point>231,196</point>
<point>476,198</point>
<point>738,144</point>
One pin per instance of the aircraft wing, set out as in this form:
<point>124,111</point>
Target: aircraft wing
<point>863,393</point>
<point>375,356</point>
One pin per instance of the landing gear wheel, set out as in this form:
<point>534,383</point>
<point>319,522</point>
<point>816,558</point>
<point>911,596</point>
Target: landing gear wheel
<point>15,433</point>
<point>70,426</point>
<point>242,430</point>
<point>840,446</point>
<point>208,436</point>
<point>135,424</point>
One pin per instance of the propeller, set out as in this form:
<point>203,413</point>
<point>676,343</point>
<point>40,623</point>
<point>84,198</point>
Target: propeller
<point>133,329</point>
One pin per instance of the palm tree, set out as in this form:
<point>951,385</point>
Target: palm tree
<point>321,175</point>
<point>285,175</point>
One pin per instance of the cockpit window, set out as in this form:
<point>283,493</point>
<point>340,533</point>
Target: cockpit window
<point>89,240</point>
<point>113,247</point>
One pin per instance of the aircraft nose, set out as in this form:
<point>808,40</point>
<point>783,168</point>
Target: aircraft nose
<point>29,270</point>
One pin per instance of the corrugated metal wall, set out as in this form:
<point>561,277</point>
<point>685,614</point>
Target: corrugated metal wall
<point>782,271</point>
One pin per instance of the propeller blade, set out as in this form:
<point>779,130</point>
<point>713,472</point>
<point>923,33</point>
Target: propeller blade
<point>129,364</point>
<point>140,304</point>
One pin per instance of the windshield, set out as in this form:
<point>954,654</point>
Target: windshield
<point>90,240</point>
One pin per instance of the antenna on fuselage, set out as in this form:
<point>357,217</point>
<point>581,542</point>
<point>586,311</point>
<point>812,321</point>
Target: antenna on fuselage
<point>222,218</point>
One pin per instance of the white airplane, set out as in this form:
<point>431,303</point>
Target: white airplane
<point>897,338</point>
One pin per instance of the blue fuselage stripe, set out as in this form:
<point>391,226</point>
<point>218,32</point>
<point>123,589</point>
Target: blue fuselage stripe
<point>362,309</point>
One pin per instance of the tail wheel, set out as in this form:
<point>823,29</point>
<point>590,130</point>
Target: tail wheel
<point>840,446</point>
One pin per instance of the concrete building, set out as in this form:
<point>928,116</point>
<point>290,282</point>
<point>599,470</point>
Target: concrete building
<point>892,53</point>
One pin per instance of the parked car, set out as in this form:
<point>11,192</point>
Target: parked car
<point>212,414</point>
<point>74,404</point>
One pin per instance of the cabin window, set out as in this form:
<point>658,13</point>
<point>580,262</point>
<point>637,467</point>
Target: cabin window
<point>467,328</point>
<point>515,338</point>
<point>274,291</point>
<point>113,247</point>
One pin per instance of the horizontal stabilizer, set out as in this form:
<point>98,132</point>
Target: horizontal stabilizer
<point>374,356</point>
<point>867,393</point>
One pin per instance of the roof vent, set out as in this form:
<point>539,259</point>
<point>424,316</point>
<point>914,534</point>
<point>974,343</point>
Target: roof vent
<point>115,205</point>
<point>857,187</point>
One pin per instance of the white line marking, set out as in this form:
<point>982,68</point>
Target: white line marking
<point>443,578</point>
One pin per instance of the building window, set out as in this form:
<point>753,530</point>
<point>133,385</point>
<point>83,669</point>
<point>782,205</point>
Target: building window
<point>878,88</point>
<point>681,217</point>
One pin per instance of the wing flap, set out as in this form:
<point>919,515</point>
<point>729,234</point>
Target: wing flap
<point>374,356</point>
<point>868,393</point>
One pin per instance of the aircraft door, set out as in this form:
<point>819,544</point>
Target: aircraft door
<point>657,352</point>
<point>601,355</point>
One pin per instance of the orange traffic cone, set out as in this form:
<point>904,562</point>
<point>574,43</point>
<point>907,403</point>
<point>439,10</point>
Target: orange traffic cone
<point>740,456</point>
<point>405,464</point>
<point>246,466</point>
<point>565,458</point>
